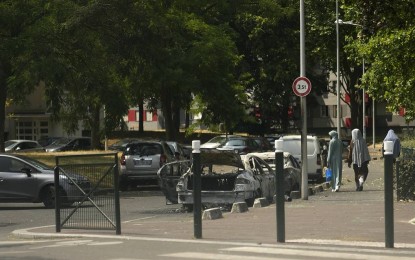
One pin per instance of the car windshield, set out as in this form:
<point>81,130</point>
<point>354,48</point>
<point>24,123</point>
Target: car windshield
<point>235,142</point>
<point>217,139</point>
<point>9,143</point>
<point>36,163</point>
<point>61,141</point>
<point>144,149</point>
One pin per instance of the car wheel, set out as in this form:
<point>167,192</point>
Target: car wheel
<point>48,196</point>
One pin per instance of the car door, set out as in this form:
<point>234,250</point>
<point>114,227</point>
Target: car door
<point>263,173</point>
<point>16,185</point>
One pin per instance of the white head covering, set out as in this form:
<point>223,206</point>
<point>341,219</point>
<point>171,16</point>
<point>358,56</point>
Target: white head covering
<point>333,134</point>
<point>360,153</point>
<point>391,136</point>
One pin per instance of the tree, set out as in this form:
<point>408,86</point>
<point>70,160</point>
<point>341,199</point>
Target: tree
<point>389,49</point>
<point>24,24</point>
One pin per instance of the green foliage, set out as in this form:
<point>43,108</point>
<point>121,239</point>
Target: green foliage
<point>387,31</point>
<point>406,181</point>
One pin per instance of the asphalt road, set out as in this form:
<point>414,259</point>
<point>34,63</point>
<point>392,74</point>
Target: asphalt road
<point>146,202</point>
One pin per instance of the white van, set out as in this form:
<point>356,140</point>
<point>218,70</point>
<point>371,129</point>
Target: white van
<point>292,144</point>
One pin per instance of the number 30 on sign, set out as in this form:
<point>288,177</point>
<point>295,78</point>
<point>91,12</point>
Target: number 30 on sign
<point>302,86</point>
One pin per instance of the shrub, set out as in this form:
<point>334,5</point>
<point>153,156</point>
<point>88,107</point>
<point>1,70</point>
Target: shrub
<point>405,185</point>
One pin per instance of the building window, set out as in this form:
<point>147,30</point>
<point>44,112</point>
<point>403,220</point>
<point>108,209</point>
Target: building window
<point>324,111</point>
<point>149,115</point>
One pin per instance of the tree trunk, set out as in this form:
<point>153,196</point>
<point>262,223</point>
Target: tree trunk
<point>167,114</point>
<point>95,127</point>
<point>3,97</point>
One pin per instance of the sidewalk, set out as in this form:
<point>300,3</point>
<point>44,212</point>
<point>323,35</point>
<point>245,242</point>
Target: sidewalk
<point>345,217</point>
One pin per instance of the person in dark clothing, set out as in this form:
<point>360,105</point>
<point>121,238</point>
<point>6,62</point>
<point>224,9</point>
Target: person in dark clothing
<point>358,156</point>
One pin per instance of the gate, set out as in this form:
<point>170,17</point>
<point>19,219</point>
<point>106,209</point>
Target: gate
<point>88,195</point>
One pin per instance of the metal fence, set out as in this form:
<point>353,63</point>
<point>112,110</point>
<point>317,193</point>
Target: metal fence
<point>88,196</point>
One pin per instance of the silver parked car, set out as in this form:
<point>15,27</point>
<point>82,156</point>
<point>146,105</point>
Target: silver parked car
<point>141,160</point>
<point>23,146</point>
<point>226,179</point>
<point>23,179</point>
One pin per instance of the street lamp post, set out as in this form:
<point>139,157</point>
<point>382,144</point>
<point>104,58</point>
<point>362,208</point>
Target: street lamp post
<point>338,70</point>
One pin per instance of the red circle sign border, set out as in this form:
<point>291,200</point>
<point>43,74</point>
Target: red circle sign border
<point>308,86</point>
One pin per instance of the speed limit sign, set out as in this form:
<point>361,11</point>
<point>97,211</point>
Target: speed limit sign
<point>302,86</point>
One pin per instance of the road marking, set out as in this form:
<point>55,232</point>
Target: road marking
<point>105,243</point>
<point>138,219</point>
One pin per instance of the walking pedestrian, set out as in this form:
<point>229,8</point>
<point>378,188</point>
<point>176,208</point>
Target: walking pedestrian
<point>334,160</point>
<point>358,156</point>
<point>391,136</point>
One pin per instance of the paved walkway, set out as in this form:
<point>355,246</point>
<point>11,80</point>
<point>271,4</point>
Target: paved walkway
<point>344,218</point>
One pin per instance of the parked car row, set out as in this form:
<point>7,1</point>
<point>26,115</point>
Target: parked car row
<point>55,144</point>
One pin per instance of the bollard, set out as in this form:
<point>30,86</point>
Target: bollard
<point>197,189</point>
<point>280,199</point>
<point>388,186</point>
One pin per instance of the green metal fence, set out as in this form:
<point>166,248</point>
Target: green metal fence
<point>88,196</point>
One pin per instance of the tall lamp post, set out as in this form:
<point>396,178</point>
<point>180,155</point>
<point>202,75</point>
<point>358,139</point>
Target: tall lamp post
<point>338,70</point>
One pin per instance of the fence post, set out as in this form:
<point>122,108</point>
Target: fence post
<point>57,199</point>
<point>117,197</point>
<point>279,175</point>
<point>398,194</point>
<point>388,186</point>
<point>197,189</point>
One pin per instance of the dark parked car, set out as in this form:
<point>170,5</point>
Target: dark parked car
<point>23,179</point>
<point>70,144</point>
<point>22,146</point>
<point>47,140</point>
<point>263,143</point>
<point>141,160</point>
<point>180,151</point>
<point>241,145</point>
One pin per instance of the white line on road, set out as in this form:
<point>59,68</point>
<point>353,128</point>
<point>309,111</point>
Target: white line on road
<point>138,219</point>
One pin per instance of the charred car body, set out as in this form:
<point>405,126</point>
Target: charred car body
<point>226,179</point>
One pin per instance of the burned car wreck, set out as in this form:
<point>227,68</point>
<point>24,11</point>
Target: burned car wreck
<point>226,179</point>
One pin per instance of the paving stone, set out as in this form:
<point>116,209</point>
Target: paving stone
<point>261,202</point>
<point>211,214</point>
<point>239,207</point>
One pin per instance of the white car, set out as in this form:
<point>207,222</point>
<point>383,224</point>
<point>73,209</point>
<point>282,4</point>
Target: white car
<point>292,144</point>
